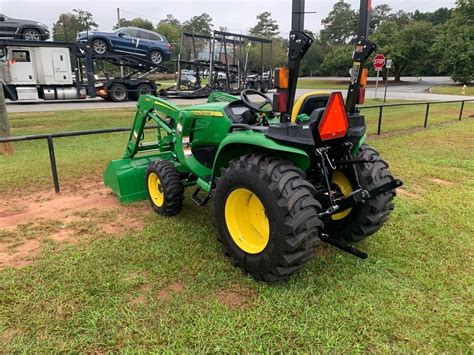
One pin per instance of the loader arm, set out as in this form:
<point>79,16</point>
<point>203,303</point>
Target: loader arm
<point>151,108</point>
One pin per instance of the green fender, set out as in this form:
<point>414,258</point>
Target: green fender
<point>246,142</point>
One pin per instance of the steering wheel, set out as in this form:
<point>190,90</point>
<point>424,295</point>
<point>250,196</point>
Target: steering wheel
<point>256,106</point>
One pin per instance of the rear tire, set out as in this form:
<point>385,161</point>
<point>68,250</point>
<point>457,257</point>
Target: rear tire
<point>164,187</point>
<point>30,34</point>
<point>266,216</point>
<point>144,89</point>
<point>118,93</point>
<point>156,57</point>
<point>366,219</point>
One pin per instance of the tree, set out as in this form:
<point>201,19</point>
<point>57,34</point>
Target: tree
<point>440,16</point>
<point>380,14</point>
<point>409,46</point>
<point>136,22</point>
<point>340,26</point>
<point>201,24</point>
<point>455,43</point>
<point>338,61</point>
<point>313,60</point>
<point>171,20</point>
<point>171,28</point>
<point>172,33</point>
<point>69,24</point>
<point>266,26</point>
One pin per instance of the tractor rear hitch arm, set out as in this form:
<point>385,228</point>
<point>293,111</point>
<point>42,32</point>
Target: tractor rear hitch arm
<point>359,196</point>
<point>344,247</point>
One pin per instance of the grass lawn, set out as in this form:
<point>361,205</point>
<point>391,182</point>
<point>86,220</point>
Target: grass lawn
<point>168,286</point>
<point>323,84</point>
<point>453,90</point>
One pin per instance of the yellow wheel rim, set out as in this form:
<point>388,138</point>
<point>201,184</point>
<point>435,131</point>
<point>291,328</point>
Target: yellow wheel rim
<point>155,190</point>
<point>345,186</point>
<point>246,221</point>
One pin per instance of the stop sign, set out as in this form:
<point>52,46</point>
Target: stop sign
<point>379,62</point>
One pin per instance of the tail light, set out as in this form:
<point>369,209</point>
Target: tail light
<point>280,101</point>
<point>282,78</point>
<point>334,123</point>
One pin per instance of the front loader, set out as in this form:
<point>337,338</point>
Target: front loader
<point>284,174</point>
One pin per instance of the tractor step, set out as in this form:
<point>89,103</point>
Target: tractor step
<point>197,200</point>
<point>344,247</point>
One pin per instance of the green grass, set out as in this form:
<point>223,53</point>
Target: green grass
<point>408,117</point>
<point>453,90</point>
<point>75,156</point>
<point>321,84</point>
<point>169,287</point>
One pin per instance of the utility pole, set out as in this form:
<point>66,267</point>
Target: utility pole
<point>118,17</point>
<point>5,148</point>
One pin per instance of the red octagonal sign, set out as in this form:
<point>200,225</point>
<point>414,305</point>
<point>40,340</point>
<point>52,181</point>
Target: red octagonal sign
<point>379,62</point>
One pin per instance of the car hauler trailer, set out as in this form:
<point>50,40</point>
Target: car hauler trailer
<point>41,70</point>
<point>225,62</point>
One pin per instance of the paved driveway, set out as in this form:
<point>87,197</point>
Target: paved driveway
<point>417,90</point>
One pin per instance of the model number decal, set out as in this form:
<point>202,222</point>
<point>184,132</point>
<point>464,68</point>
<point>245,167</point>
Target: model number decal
<point>208,113</point>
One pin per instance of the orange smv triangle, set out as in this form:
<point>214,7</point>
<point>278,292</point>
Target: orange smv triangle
<point>334,123</point>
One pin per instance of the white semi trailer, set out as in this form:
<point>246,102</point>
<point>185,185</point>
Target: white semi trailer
<point>33,71</point>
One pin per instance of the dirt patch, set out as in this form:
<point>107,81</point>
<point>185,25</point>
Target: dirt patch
<point>236,297</point>
<point>141,298</point>
<point>167,292</point>
<point>21,255</point>
<point>403,192</point>
<point>442,182</point>
<point>79,211</point>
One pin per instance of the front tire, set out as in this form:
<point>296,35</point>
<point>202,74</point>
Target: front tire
<point>363,220</point>
<point>164,187</point>
<point>266,216</point>
<point>99,46</point>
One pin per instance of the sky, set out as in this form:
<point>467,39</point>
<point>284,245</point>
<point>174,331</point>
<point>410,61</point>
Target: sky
<point>237,15</point>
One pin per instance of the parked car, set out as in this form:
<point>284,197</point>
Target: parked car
<point>22,29</point>
<point>132,40</point>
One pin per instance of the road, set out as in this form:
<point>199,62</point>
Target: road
<point>416,90</point>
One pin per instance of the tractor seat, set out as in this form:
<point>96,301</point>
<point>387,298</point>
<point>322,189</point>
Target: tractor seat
<point>308,103</point>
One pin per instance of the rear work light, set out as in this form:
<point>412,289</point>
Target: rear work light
<point>334,123</point>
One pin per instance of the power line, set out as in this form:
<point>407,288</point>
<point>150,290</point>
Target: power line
<point>146,16</point>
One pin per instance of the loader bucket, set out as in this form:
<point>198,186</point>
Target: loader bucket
<point>126,177</point>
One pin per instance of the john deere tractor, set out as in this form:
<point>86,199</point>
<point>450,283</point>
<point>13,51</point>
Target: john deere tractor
<point>284,175</point>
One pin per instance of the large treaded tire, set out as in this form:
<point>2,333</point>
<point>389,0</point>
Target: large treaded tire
<point>366,219</point>
<point>172,188</point>
<point>290,208</point>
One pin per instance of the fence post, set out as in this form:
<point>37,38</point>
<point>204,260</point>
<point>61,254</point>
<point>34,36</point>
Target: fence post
<point>462,109</point>
<point>5,148</point>
<point>427,114</point>
<point>379,128</point>
<point>54,169</point>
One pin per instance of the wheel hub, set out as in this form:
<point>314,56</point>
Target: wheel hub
<point>156,190</point>
<point>246,221</point>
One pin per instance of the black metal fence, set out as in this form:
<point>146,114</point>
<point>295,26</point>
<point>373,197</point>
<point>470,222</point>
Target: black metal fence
<point>50,137</point>
<point>428,104</point>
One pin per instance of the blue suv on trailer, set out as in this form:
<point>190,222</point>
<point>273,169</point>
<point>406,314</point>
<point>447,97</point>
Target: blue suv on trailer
<point>130,40</point>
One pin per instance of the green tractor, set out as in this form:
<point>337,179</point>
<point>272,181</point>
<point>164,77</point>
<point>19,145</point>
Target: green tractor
<point>284,175</point>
